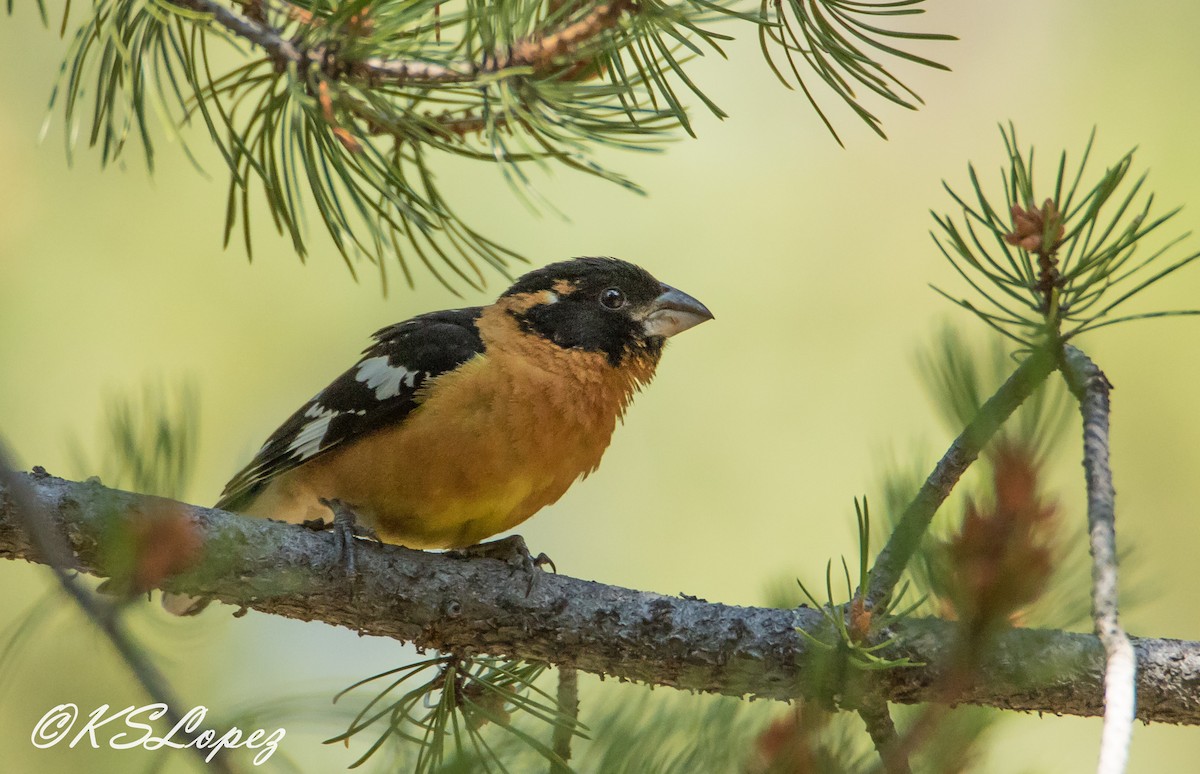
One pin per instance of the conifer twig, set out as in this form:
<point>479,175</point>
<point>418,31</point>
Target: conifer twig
<point>266,37</point>
<point>1091,388</point>
<point>540,51</point>
<point>284,52</point>
<point>912,524</point>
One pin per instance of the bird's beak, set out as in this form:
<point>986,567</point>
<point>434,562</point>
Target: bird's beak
<point>673,312</point>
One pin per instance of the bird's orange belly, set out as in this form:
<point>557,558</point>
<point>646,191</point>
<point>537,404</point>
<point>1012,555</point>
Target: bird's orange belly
<point>486,451</point>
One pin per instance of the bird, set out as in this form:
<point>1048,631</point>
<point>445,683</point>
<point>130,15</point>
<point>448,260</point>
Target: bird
<point>457,425</point>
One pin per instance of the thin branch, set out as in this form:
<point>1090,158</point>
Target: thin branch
<point>281,50</point>
<point>882,730</point>
<point>53,550</point>
<point>1091,388</point>
<point>485,606</point>
<point>913,523</point>
<point>568,704</point>
<point>540,52</point>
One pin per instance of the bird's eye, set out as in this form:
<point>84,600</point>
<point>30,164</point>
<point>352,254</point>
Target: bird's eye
<point>612,298</point>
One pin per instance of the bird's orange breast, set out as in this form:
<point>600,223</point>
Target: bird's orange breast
<point>491,443</point>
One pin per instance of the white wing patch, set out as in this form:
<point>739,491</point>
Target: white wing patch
<point>312,433</point>
<point>384,378</point>
<point>308,441</point>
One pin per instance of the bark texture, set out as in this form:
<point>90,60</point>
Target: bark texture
<point>486,606</point>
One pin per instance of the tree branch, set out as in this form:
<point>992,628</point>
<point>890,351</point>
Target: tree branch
<point>1091,387</point>
<point>481,606</point>
<point>882,729</point>
<point>269,39</point>
<point>540,51</point>
<point>568,704</point>
<point>46,541</point>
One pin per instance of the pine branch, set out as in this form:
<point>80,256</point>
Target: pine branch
<point>1091,388</point>
<point>269,39</point>
<point>477,606</point>
<point>339,110</point>
<point>540,52</point>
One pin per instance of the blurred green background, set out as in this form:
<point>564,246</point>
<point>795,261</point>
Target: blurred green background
<point>737,467</point>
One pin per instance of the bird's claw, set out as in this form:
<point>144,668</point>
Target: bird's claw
<point>345,528</point>
<point>512,551</point>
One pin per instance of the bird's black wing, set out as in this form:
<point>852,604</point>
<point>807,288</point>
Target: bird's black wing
<point>379,391</point>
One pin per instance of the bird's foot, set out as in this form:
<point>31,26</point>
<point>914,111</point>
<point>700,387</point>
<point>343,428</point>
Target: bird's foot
<point>345,528</point>
<point>512,551</point>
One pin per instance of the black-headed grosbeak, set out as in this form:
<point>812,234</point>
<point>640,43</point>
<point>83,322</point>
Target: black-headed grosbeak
<point>457,425</point>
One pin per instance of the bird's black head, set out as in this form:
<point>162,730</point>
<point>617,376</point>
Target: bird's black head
<point>602,305</point>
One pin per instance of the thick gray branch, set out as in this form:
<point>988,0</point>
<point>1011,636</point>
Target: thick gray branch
<point>481,606</point>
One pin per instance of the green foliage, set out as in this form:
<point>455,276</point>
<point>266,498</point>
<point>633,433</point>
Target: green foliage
<point>444,716</point>
<point>643,731</point>
<point>851,625</point>
<point>21,633</point>
<point>147,444</point>
<point>838,41</point>
<point>1081,265</point>
<point>959,377</point>
<point>954,746</point>
<point>343,106</point>
<point>41,6</point>
<point>639,730</point>
<point>124,57</point>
